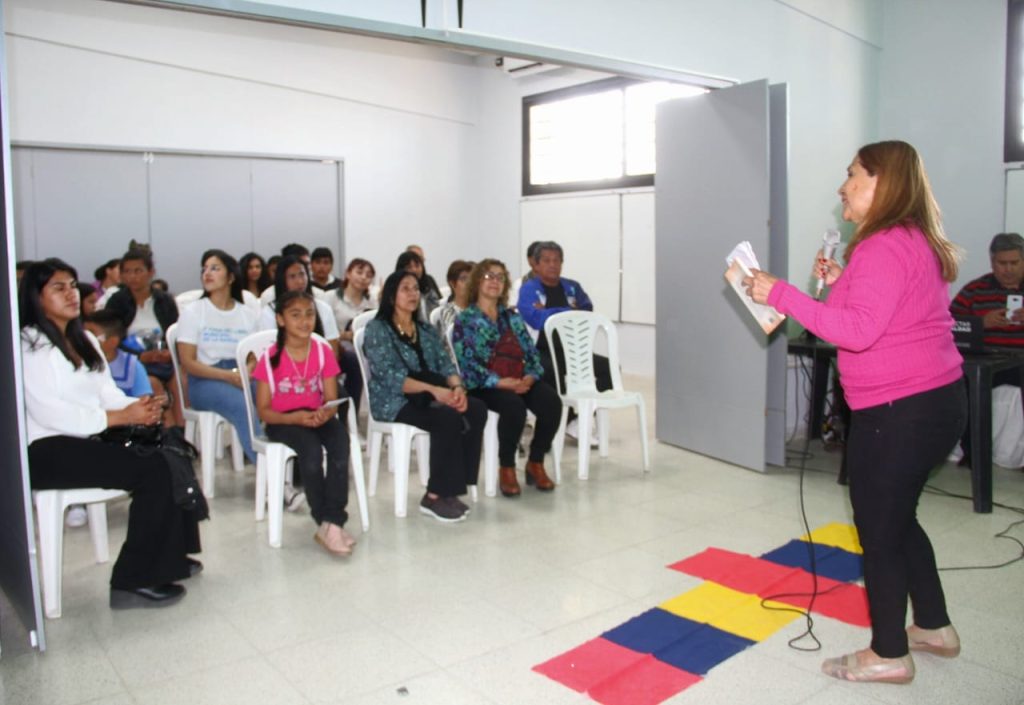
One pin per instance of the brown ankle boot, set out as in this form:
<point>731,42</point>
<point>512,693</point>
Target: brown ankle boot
<point>507,482</point>
<point>535,475</point>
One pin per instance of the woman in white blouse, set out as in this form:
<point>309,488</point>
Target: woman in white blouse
<point>70,396</point>
<point>348,301</point>
<point>209,331</point>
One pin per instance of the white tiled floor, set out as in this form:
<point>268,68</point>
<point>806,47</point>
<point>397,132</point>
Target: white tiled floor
<point>432,613</point>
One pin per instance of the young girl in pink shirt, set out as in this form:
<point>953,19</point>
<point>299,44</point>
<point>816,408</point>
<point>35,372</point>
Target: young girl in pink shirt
<point>296,395</point>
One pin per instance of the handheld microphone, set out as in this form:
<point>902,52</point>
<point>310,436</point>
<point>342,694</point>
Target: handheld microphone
<point>828,250</point>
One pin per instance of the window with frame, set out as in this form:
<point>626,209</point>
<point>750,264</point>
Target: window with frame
<point>1013,139</point>
<point>597,135</point>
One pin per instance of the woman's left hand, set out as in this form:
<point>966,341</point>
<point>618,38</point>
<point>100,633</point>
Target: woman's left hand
<point>759,285</point>
<point>523,384</point>
<point>458,400</point>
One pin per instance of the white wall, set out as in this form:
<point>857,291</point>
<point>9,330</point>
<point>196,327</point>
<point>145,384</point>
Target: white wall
<point>942,89</point>
<point>827,51</point>
<point>414,124</point>
<point>401,116</point>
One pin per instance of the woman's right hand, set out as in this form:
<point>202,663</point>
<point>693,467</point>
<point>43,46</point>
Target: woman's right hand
<point>145,411</point>
<point>454,398</point>
<point>827,269</point>
<point>233,377</point>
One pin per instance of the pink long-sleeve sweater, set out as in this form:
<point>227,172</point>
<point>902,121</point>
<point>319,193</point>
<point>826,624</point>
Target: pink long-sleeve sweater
<point>888,315</point>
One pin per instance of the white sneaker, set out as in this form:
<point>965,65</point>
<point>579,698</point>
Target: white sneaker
<point>573,431</point>
<point>294,499</point>
<point>76,516</point>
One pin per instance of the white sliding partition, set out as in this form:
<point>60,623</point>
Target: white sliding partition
<point>721,179</point>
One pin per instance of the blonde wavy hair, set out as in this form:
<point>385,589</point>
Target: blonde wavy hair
<point>903,195</point>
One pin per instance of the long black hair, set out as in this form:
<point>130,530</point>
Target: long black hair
<point>281,275</point>
<point>280,304</point>
<point>231,265</point>
<point>30,313</point>
<point>388,293</point>
<point>403,261</point>
<point>243,265</point>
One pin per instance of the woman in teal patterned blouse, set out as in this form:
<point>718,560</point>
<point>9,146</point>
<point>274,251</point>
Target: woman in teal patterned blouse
<point>501,366</point>
<point>413,381</point>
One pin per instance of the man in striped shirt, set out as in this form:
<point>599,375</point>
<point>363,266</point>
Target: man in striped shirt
<point>986,295</point>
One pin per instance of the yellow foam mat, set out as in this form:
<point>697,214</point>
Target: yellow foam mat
<point>842,536</point>
<point>729,610</point>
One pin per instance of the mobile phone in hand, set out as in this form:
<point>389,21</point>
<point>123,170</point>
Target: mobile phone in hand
<point>1013,302</point>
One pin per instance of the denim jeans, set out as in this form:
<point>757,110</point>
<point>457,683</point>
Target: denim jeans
<point>227,400</point>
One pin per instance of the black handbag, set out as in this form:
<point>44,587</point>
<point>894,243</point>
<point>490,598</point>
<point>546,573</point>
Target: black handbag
<point>177,452</point>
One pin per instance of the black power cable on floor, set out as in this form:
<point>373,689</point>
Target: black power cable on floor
<point>804,455</point>
<point>808,632</point>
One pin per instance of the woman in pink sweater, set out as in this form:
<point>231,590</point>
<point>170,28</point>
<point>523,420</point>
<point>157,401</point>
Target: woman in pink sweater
<point>888,315</point>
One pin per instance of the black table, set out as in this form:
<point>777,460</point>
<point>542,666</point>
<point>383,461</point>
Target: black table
<point>979,369</point>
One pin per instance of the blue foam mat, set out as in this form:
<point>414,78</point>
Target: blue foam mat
<point>702,650</point>
<point>831,562</point>
<point>653,630</point>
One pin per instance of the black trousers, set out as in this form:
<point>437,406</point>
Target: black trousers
<point>455,442</point>
<point>511,407</point>
<point>160,533</point>
<point>602,370</point>
<point>353,376</point>
<point>326,492</point>
<point>890,452</point>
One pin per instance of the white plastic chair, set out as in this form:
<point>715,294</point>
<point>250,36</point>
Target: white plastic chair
<point>272,458</point>
<point>50,508</point>
<point>187,297</point>
<point>401,439</point>
<point>208,423</point>
<point>577,331</point>
<point>360,321</point>
<point>435,315</point>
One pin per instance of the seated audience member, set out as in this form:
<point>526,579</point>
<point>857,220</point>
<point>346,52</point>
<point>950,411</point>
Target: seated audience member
<point>430,297</point>
<point>296,250</point>
<point>295,378</point>
<point>147,315</point>
<point>350,299</point>
<point>272,268</point>
<point>549,293</point>
<point>128,373</point>
<point>413,381</point>
<point>70,396</point>
<point>531,272</point>
<point>108,275</point>
<point>426,280</point>
<point>20,267</point>
<point>293,275</point>
<point>321,266</point>
<point>458,280</point>
<point>160,285</point>
<point>208,335</point>
<point>986,295</point>
<point>255,276</point>
<point>501,366</point>
<point>87,295</point>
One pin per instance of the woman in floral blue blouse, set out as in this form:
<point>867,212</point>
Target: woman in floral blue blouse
<point>501,366</point>
<point>413,381</point>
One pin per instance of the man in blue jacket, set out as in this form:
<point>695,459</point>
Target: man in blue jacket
<point>549,293</point>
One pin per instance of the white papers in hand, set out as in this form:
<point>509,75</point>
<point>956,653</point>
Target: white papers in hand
<point>744,254</point>
<point>741,261</point>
